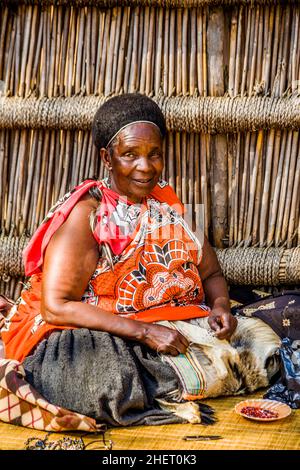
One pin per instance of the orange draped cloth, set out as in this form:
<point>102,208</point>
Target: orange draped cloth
<point>155,265</point>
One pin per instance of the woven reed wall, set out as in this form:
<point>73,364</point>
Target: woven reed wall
<point>233,67</point>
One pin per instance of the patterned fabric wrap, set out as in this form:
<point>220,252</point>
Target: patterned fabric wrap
<point>22,405</point>
<point>153,275</point>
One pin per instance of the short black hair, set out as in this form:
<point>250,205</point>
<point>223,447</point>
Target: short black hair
<point>122,110</point>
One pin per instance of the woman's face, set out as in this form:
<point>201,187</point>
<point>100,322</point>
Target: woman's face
<point>136,162</point>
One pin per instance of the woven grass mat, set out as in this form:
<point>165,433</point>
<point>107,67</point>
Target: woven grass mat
<point>238,433</point>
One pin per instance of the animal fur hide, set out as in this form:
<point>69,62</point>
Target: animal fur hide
<point>244,364</point>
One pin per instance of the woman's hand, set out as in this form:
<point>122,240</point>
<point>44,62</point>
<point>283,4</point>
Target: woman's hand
<point>164,340</point>
<point>222,322</point>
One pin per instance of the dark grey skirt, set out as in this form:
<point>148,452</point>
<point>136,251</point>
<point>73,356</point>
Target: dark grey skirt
<point>102,376</point>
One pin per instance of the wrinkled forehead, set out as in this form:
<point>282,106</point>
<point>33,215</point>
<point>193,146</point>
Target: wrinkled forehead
<point>139,132</point>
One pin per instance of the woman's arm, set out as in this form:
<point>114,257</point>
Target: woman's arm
<point>216,293</point>
<point>70,260</point>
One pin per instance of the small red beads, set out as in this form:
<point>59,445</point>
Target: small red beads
<point>256,412</point>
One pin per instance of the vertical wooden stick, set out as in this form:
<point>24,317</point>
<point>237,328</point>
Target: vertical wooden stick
<point>266,188</point>
<point>51,172</point>
<point>244,178</point>
<point>171,68</point>
<point>191,163</point>
<point>236,190</point>
<point>260,49</point>
<point>277,177</point>
<point>184,51</point>
<point>61,54</point>
<point>18,49</point>
<point>71,53</point>
<point>117,48</point>
<point>80,51</point>
<point>216,37</point>
<point>294,213</point>
<point>104,51</point>
<point>97,38</point>
<point>53,54</point>
<point>110,53</point>
<point>238,52</point>
<point>232,56</point>
<point>11,188</point>
<point>200,50</point>
<point>10,58</point>
<point>295,52</point>
<point>254,53</point>
<point>178,165</point>
<point>31,171</point>
<point>277,34</point>
<point>290,184</point>
<point>253,184</point>
<point>269,50</point>
<point>257,201</point>
<point>283,77</point>
<point>204,51</point>
<point>198,208</point>
<point>179,51</point>
<point>121,57</point>
<point>64,51</point>
<point>245,65</point>
<point>19,224</point>
<point>25,48</point>
<point>193,52</point>
<point>158,58</point>
<point>129,58</point>
<point>166,52</point>
<point>143,67</point>
<point>135,50</point>
<point>3,36</point>
<point>283,190</point>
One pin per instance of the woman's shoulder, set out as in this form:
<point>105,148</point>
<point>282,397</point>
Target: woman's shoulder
<point>71,213</point>
<point>75,234</point>
<point>88,200</point>
<point>82,214</point>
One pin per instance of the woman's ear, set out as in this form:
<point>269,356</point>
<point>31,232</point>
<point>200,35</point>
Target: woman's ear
<point>106,158</point>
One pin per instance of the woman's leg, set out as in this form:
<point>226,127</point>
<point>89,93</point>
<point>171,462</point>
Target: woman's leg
<point>102,376</point>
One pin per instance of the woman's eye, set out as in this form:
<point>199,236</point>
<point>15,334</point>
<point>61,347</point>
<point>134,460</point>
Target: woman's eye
<point>129,155</point>
<point>156,155</point>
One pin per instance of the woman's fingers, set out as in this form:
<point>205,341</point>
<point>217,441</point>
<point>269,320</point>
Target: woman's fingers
<point>166,341</point>
<point>184,340</point>
<point>214,324</point>
<point>223,324</point>
<point>172,350</point>
<point>178,344</point>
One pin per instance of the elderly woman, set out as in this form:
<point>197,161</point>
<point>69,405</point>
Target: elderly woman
<point>112,264</point>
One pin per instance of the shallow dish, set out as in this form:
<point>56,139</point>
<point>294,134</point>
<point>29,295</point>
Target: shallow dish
<point>282,409</point>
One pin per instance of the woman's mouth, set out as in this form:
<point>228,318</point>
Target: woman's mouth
<point>142,181</point>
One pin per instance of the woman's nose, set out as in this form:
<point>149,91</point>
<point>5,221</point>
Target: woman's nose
<point>143,164</point>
